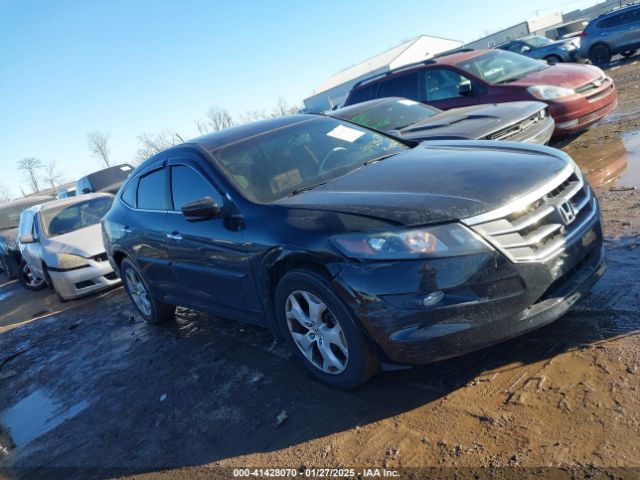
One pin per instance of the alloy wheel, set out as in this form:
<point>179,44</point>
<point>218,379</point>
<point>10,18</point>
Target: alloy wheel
<point>31,280</point>
<point>316,332</point>
<point>138,291</point>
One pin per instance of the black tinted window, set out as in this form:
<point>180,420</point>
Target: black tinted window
<point>401,86</point>
<point>622,18</point>
<point>129,193</point>
<point>151,191</point>
<point>363,94</point>
<point>188,185</point>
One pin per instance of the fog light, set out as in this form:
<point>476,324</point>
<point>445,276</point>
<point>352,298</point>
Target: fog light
<point>570,123</point>
<point>432,298</point>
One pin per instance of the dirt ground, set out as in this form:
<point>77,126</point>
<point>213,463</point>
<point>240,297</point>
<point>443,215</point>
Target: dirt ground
<point>88,390</point>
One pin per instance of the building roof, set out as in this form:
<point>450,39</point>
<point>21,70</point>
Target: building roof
<point>380,61</point>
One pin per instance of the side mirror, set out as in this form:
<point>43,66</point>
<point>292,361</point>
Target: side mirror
<point>201,209</point>
<point>465,89</point>
<point>26,238</point>
<point>525,49</point>
<point>86,190</point>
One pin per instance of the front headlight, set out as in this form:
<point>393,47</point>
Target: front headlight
<point>449,240</point>
<point>549,92</point>
<point>68,261</point>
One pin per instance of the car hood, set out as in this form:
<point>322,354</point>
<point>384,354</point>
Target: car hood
<point>553,46</point>
<point>475,122</point>
<point>85,242</point>
<point>561,75</point>
<point>437,181</point>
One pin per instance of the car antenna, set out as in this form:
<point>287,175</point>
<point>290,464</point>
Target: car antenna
<point>179,137</point>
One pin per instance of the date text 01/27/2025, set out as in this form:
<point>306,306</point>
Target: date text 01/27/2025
<point>315,472</point>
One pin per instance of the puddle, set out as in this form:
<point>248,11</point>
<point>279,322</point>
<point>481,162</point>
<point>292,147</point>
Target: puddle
<point>35,415</point>
<point>615,162</point>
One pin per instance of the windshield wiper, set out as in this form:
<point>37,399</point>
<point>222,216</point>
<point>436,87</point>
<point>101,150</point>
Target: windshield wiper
<point>378,159</point>
<point>300,190</point>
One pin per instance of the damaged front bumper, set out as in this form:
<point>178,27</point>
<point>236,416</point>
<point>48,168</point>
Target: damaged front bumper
<point>486,298</point>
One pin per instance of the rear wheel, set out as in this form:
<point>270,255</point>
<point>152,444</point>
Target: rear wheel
<point>28,279</point>
<point>553,59</point>
<point>322,332</point>
<point>600,55</point>
<point>150,309</point>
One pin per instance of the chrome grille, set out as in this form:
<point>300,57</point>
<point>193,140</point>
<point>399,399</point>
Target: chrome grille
<point>592,85</point>
<point>514,130</point>
<point>540,226</point>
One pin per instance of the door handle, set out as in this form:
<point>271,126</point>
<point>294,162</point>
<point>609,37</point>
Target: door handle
<point>126,230</point>
<point>174,236</point>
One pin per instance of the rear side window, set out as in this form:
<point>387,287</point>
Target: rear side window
<point>401,86</point>
<point>129,193</point>
<point>363,94</point>
<point>623,18</point>
<point>188,185</point>
<point>151,191</point>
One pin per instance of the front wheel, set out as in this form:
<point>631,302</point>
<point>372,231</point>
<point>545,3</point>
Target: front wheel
<point>600,55</point>
<point>553,59</point>
<point>150,309</point>
<point>28,279</point>
<point>323,333</point>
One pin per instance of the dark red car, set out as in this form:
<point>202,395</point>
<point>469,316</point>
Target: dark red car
<point>577,95</point>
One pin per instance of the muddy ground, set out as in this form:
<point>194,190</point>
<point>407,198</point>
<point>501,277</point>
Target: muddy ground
<point>88,390</point>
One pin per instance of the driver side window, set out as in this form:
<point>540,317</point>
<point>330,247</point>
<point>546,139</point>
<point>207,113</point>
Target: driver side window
<point>443,84</point>
<point>188,185</point>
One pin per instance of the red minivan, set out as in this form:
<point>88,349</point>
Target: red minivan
<point>577,95</point>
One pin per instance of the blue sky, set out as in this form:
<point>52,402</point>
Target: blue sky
<point>127,67</point>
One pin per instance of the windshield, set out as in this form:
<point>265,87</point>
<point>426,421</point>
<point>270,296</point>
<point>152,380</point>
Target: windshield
<point>281,162</point>
<point>109,176</point>
<point>69,218</point>
<point>10,214</point>
<point>499,66</point>
<point>537,42</point>
<point>391,115</point>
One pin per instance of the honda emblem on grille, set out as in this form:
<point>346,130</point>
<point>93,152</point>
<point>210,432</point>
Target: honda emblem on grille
<point>567,212</point>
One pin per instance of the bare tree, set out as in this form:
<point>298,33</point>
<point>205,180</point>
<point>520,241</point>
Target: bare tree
<point>5,194</point>
<point>216,119</point>
<point>98,146</point>
<point>152,143</point>
<point>30,167</point>
<point>253,115</point>
<point>51,174</point>
<point>282,108</point>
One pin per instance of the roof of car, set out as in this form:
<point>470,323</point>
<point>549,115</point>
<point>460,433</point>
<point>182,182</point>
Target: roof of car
<point>450,59</point>
<point>617,10</point>
<point>62,202</point>
<point>227,136</point>
<point>26,201</point>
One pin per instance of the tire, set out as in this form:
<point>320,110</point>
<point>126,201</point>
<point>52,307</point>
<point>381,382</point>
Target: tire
<point>600,55</point>
<point>553,59</point>
<point>28,280</point>
<point>325,360</point>
<point>628,53</point>
<point>150,309</point>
